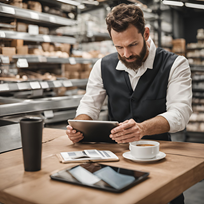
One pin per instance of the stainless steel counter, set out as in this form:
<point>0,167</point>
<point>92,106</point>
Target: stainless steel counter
<point>35,105</point>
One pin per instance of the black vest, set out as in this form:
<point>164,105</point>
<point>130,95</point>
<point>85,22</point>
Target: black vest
<point>149,97</point>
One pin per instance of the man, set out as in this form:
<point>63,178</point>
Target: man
<point>149,89</point>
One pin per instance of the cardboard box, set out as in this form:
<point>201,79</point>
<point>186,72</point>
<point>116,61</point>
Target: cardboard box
<point>84,75</point>
<point>51,48</point>
<point>9,51</point>
<point>74,75</point>
<point>43,30</point>
<point>16,1</point>
<point>35,6</point>
<point>73,67</point>
<point>16,43</point>
<point>23,50</point>
<point>25,5</point>
<point>45,46</point>
<point>179,45</point>
<point>17,4</point>
<point>65,48</point>
<point>86,67</point>
<point>21,27</point>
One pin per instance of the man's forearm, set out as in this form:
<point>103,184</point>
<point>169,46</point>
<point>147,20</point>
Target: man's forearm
<point>83,117</point>
<point>156,125</point>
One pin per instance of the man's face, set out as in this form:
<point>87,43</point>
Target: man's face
<point>131,47</point>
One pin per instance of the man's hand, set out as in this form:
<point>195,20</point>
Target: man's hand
<point>73,135</point>
<point>128,131</point>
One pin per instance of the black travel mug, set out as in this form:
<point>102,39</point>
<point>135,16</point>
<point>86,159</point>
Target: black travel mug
<point>31,137</point>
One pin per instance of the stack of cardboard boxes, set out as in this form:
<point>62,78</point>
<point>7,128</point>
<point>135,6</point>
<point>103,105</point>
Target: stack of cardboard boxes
<point>179,46</point>
<point>16,47</point>
<point>33,5</point>
<point>76,71</point>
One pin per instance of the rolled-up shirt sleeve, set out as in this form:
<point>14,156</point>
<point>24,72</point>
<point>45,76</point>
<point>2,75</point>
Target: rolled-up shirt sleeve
<point>94,97</point>
<point>179,95</point>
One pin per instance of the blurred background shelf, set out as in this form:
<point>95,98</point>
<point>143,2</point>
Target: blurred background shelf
<point>5,34</point>
<point>33,16</point>
<point>34,85</point>
<point>55,60</point>
<point>36,105</point>
<point>4,25</point>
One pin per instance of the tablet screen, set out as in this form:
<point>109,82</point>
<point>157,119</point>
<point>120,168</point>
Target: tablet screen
<point>104,177</point>
<point>94,130</point>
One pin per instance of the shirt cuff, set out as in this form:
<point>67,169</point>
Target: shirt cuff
<point>175,121</point>
<point>85,111</point>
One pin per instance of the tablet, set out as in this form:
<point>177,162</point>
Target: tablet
<point>99,176</point>
<point>94,130</point>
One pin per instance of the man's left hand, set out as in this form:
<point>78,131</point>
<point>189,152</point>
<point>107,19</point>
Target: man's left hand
<point>128,131</point>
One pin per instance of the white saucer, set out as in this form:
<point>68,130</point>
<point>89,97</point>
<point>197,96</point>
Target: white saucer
<point>159,156</point>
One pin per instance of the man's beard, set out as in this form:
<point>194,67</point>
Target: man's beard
<point>138,58</point>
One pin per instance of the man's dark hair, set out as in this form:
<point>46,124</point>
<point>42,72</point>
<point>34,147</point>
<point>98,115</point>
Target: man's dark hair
<point>123,15</point>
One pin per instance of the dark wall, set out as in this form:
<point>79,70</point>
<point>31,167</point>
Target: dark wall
<point>178,25</point>
<point>192,22</point>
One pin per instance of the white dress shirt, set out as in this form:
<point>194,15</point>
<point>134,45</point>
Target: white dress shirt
<point>179,90</point>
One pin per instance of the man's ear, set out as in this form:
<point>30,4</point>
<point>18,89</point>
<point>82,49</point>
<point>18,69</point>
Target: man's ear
<point>146,33</point>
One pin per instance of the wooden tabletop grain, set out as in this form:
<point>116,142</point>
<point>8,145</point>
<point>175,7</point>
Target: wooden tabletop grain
<point>169,177</point>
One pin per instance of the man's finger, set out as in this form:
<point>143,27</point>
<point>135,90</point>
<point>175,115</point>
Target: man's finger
<point>125,125</point>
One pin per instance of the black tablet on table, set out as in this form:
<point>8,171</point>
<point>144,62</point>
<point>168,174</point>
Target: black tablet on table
<point>94,130</point>
<point>99,176</point>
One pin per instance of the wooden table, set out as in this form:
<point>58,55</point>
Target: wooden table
<point>182,168</point>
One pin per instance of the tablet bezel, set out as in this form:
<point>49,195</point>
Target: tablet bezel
<point>94,130</point>
<point>104,188</point>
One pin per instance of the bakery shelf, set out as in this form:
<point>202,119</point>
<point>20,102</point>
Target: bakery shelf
<point>33,16</point>
<point>197,68</point>
<point>200,38</point>
<point>5,34</point>
<point>35,85</point>
<point>4,25</point>
<point>195,48</point>
<point>197,80</point>
<point>198,57</point>
<point>198,90</point>
<point>195,136</point>
<point>196,121</point>
<point>101,35</point>
<point>58,3</point>
<point>60,116</point>
<point>42,59</point>
<point>28,106</point>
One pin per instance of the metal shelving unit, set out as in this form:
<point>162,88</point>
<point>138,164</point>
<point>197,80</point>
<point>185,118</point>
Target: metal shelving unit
<point>33,16</point>
<point>42,59</point>
<point>101,35</point>
<point>29,106</point>
<point>195,48</point>
<point>5,34</point>
<point>34,85</point>
<point>4,25</point>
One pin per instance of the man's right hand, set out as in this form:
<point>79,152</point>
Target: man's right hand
<point>73,135</point>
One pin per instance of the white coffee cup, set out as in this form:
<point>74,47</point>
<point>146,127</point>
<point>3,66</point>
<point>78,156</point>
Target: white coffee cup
<point>140,150</point>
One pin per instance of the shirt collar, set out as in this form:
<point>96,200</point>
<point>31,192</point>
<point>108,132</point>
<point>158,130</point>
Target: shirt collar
<point>148,64</point>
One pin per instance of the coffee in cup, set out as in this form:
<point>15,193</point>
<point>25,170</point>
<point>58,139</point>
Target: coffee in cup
<point>145,145</point>
<point>144,149</point>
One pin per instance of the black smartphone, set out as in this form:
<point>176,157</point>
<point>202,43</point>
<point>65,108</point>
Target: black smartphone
<point>100,176</point>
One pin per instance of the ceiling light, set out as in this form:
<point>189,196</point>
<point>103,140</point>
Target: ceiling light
<point>75,3</point>
<point>198,6</point>
<point>91,2</point>
<point>173,3</point>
